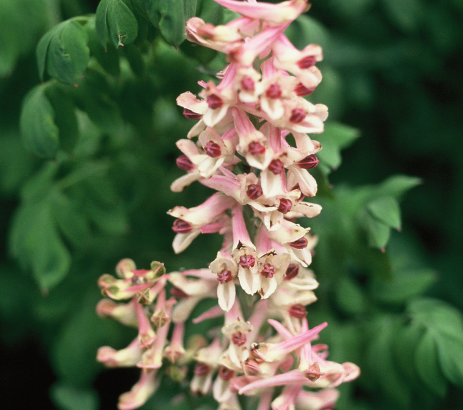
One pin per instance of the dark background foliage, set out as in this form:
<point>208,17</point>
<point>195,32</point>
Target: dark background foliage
<point>392,70</point>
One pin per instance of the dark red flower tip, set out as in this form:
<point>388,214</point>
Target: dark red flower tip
<point>302,91</point>
<point>224,276</point>
<point>273,92</point>
<point>291,272</point>
<point>184,163</point>
<point>202,369</point>
<point>298,311</point>
<point>191,115</point>
<point>212,149</point>
<point>254,191</point>
<point>276,167</point>
<point>181,226</point>
<point>247,84</point>
<point>306,62</point>
<point>238,339</point>
<point>268,271</point>
<point>178,293</point>
<point>309,162</point>
<point>214,101</point>
<point>247,261</point>
<point>297,115</point>
<point>225,373</point>
<point>301,243</point>
<point>256,148</point>
<point>285,205</point>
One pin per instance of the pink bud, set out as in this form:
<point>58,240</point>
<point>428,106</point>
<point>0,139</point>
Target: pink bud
<point>214,101</point>
<point>201,369</point>
<point>247,84</point>
<point>268,271</point>
<point>256,148</point>
<point>184,163</point>
<point>298,311</point>
<point>307,62</point>
<point>181,226</point>
<point>300,243</point>
<point>247,261</point>
<point>254,191</point>
<point>225,373</point>
<point>276,167</point>
<point>273,92</point>
<point>212,149</point>
<point>302,91</point>
<point>238,338</point>
<point>297,115</point>
<point>292,271</point>
<point>285,205</point>
<point>191,115</point>
<point>309,162</point>
<point>224,276</point>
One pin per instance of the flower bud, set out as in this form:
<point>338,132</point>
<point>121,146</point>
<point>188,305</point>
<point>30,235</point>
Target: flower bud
<point>273,92</point>
<point>181,226</point>
<point>191,115</point>
<point>292,271</point>
<point>298,311</point>
<point>254,191</point>
<point>285,205</point>
<point>212,149</point>
<point>276,167</point>
<point>300,243</point>
<point>214,101</point>
<point>309,162</point>
<point>184,163</point>
<point>297,115</point>
<point>256,148</point>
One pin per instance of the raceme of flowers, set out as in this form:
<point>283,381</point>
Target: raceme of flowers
<point>250,145</point>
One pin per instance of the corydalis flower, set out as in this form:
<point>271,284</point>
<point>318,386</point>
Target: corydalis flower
<point>241,147</point>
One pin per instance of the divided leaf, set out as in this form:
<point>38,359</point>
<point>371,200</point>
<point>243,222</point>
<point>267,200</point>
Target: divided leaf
<point>38,129</point>
<point>115,22</point>
<point>386,210</point>
<point>63,52</point>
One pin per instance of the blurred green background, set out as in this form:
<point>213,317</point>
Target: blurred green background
<point>392,70</point>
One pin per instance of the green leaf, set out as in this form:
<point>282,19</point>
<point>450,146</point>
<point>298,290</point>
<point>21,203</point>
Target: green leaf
<point>335,137</point>
<point>69,397</point>
<point>427,365</point>
<point>65,115</point>
<point>349,296</point>
<point>385,210</point>
<point>107,56</point>
<point>377,232</point>
<point>74,357</point>
<point>172,21</point>
<point>405,14</point>
<point>63,52</point>
<point>306,30</point>
<point>438,315</point>
<point>97,100</point>
<point>38,129</point>
<point>37,244</point>
<point>397,185</point>
<point>403,285</point>
<point>404,345</point>
<point>450,350</point>
<point>70,218</point>
<point>116,22</point>
<point>379,362</point>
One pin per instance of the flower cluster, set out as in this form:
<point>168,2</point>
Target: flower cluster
<point>250,145</point>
